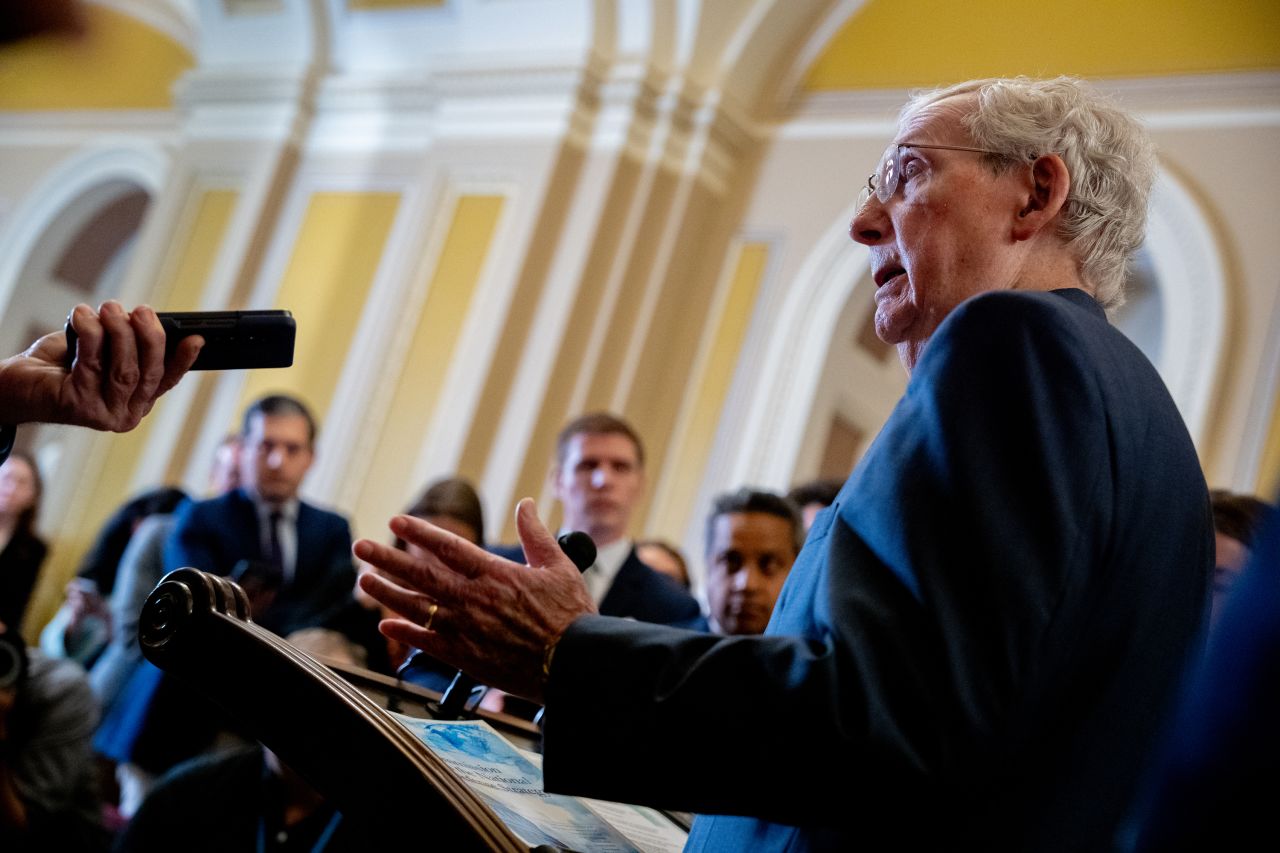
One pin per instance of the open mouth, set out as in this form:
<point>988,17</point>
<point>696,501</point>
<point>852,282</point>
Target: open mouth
<point>887,273</point>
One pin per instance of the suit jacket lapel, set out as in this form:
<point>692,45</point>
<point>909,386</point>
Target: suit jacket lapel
<point>622,596</point>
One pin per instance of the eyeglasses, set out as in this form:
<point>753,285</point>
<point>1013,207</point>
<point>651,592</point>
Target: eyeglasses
<point>884,181</point>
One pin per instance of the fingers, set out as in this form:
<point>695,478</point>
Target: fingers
<point>89,343</point>
<point>540,547</point>
<point>412,605</point>
<point>425,573</point>
<point>121,360</point>
<point>183,358</point>
<point>148,337</point>
<point>452,551</point>
<point>119,370</point>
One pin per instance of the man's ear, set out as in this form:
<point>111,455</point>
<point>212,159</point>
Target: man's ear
<point>1045,194</point>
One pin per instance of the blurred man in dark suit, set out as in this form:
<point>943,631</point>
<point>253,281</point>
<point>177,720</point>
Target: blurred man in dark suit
<point>598,477</point>
<point>299,555</point>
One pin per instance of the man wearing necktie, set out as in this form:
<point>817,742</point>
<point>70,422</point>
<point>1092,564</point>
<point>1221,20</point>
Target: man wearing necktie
<point>296,554</point>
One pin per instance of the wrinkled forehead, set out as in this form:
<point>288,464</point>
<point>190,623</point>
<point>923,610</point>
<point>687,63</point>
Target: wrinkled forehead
<point>940,121</point>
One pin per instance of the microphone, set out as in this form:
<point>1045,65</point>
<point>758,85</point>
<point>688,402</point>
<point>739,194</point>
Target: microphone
<point>579,548</point>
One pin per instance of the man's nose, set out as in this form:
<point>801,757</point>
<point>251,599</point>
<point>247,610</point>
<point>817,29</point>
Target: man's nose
<point>745,579</point>
<point>871,224</point>
<point>599,478</point>
<point>275,458</point>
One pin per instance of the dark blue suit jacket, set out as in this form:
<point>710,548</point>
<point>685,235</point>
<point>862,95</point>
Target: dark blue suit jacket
<point>978,641</point>
<point>157,721</point>
<point>214,535</point>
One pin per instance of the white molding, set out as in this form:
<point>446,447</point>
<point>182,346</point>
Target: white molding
<point>87,127</point>
<point>786,368</point>
<point>1190,277</point>
<point>1213,119</point>
<point>1258,422</point>
<point>138,161</point>
<point>110,159</point>
<point>1166,102</point>
<point>249,102</point>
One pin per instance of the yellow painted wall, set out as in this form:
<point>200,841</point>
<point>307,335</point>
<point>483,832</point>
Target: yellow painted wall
<point>678,491</point>
<point>181,289</point>
<point>387,484</point>
<point>889,44</point>
<point>335,257</point>
<point>119,63</point>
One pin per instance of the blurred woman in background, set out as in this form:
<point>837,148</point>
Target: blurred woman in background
<point>21,551</point>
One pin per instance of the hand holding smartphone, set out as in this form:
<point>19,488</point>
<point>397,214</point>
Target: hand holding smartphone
<point>233,340</point>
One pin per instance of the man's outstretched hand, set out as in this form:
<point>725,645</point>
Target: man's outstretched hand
<point>494,619</point>
<point>118,374</point>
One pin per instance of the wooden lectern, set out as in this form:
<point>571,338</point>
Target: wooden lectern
<point>369,766</point>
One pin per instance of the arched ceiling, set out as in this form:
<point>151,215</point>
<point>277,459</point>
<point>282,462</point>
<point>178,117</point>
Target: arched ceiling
<point>888,44</point>
<point>120,63</point>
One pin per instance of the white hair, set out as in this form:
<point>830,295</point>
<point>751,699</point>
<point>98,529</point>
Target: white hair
<point>1109,156</point>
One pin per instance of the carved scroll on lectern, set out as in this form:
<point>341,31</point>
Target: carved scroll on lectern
<point>196,626</point>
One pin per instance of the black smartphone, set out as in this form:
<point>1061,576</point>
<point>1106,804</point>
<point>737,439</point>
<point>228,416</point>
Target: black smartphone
<point>233,340</point>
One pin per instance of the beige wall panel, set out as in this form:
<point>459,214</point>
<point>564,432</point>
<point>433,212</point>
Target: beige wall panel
<point>519,317</point>
<point>23,165</point>
<point>387,487</point>
<point>639,258</point>
<point>1227,171</point>
<point>569,360</point>
<point>675,485</point>
<point>680,321</point>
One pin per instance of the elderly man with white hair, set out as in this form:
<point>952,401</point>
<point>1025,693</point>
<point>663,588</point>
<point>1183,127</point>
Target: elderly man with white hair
<point>977,644</point>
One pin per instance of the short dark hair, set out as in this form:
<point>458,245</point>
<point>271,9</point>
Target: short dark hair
<point>1237,516</point>
<point>597,423</point>
<point>279,404</point>
<point>753,500</point>
<point>453,498</point>
<point>816,492</point>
